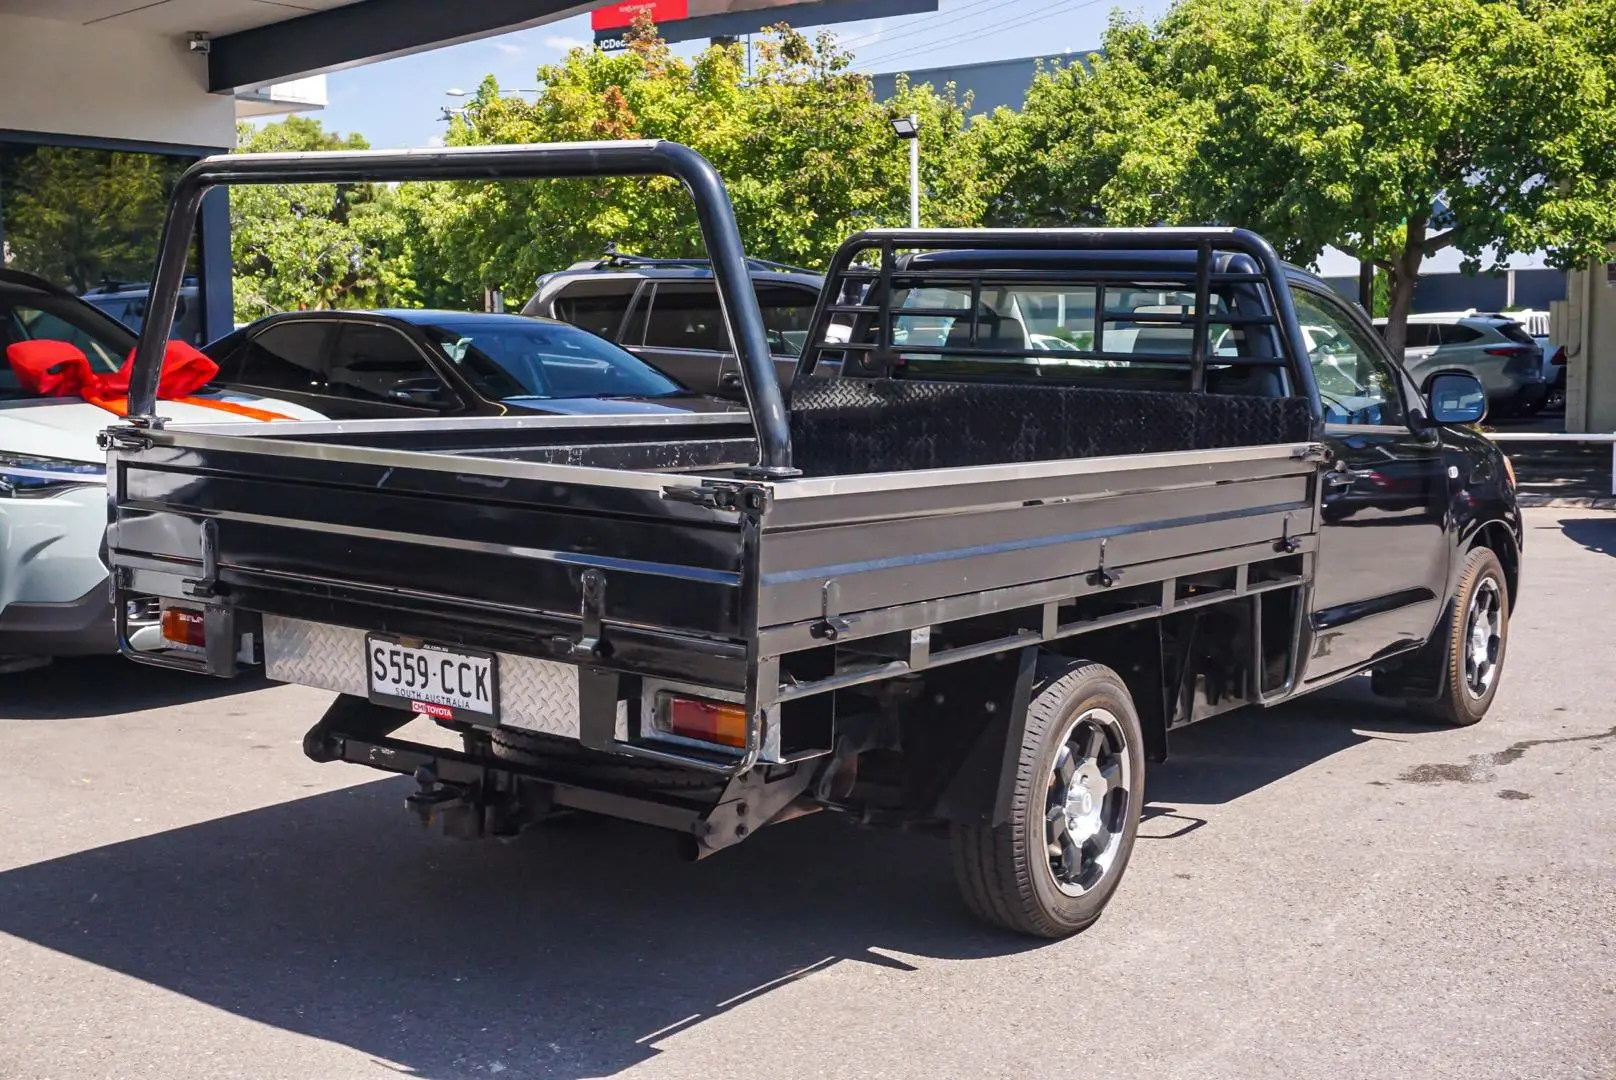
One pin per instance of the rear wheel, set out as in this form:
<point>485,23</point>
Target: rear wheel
<point>1052,867</point>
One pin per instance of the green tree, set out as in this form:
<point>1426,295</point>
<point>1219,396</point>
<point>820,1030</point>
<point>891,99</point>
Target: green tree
<point>1391,129</point>
<point>807,152</point>
<point>79,217</point>
<point>314,245</point>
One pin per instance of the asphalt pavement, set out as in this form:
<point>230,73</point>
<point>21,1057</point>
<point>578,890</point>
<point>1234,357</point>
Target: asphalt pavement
<point>1330,889</point>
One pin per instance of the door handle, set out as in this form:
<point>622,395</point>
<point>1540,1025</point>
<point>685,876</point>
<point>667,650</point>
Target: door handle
<point>730,380</point>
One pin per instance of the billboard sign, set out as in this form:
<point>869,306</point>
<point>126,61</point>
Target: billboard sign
<point>686,20</point>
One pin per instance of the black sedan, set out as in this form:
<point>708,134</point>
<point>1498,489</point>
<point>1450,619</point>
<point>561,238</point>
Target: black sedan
<point>403,363</point>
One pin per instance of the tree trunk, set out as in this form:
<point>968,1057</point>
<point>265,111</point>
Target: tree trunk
<point>1366,287</point>
<point>1400,284</point>
<point>1400,281</point>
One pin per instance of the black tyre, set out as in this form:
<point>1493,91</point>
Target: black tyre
<point>563,756</point>
<point>1473,641</point>
<point>1079,789</point>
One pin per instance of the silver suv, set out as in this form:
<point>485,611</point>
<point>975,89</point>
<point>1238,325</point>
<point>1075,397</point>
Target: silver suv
<point>666,312</point>
<point>1493,347</point>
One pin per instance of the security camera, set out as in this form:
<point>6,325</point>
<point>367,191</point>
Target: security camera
<point>199,42</point>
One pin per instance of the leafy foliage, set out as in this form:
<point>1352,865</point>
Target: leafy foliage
<point>807,152</point>
<point>81,217</point>
<point>1388,128</point>
<point>313,245</point>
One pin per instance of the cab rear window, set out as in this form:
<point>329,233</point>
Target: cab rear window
<point>1516,333</point>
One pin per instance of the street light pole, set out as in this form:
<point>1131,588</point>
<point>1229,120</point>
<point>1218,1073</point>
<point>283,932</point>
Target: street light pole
<point>908,129</point>
<point>914,175</point>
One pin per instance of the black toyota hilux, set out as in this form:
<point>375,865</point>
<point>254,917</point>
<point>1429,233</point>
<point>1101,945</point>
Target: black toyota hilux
<point>1036,499</point>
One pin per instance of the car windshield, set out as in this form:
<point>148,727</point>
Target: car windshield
<point>512,357</point>
<point>32,315</point>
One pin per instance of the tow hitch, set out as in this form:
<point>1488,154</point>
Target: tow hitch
<point>477,810</point>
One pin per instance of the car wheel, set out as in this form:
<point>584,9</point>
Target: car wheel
<point>1476,633</point>
<point>1074,812</point>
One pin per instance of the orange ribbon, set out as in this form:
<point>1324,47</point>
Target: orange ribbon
<point>59,369</point>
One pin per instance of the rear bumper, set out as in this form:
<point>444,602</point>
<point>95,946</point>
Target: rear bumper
<point>1527,396</point>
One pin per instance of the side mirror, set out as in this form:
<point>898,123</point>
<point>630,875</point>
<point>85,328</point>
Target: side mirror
<point>423,393</point>
<point>1456,397</point>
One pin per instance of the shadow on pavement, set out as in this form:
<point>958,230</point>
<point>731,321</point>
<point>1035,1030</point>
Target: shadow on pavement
<point>1219,760</point>
<point>1597,534</point>
<point>567,953</point>
<point>105,686</point>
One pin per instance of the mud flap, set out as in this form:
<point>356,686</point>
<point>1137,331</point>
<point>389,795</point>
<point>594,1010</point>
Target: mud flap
<point>980,790</point>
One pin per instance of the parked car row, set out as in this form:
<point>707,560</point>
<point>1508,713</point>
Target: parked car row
<point>667,312</point>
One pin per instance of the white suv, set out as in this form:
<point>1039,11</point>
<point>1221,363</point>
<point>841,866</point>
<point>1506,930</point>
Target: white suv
<point>53,478</point>
<point>1493,347</point>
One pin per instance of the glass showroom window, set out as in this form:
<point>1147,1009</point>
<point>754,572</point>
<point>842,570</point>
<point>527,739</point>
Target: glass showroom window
<point>89,220</point>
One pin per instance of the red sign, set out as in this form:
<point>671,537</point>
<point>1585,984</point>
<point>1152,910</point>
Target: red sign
<point>616,16</point>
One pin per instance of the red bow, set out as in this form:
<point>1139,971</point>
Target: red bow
<point>58,369</point>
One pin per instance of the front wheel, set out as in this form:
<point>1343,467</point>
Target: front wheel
<point>1475,634</point>
<point>1074,812</point>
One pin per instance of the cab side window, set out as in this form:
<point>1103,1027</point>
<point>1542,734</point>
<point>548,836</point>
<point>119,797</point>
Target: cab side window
<point>1357,384</point>
<point>596,305</point>
<point>288,356</point>
<point>787,310</point>
<point>686,315</point>
<point>1420,336</point>
<point>377,363</point>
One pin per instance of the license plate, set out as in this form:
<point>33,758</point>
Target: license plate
<point>449,684</point>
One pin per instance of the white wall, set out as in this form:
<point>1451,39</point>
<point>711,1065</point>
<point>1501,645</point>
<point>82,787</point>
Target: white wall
<point>63,78</point>
<point>1587,323</point>
<point>299,95</point>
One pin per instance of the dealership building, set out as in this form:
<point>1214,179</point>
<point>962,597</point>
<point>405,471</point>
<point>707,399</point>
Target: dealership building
<point>103,101</point>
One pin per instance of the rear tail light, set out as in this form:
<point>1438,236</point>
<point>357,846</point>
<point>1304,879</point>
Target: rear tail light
<point>1518,359</point>
<point>1558,359</point>
<point>720,722</point>
<point>182,626</point>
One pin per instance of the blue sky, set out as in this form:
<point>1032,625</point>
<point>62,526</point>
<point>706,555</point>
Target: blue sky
<point>398,103</point>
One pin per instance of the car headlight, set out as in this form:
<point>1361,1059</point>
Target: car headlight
<point>25,476</point>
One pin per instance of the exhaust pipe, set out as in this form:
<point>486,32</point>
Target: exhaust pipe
<point>688,848</point>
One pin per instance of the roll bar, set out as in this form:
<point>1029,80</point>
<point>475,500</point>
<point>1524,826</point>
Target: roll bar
<point>714,213</point>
